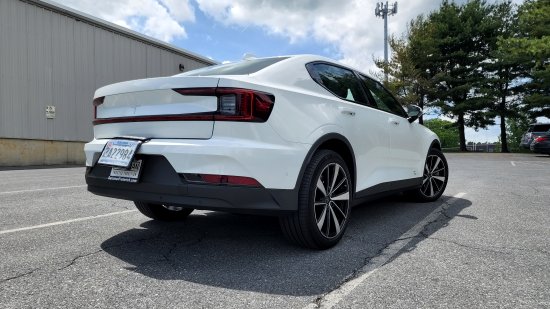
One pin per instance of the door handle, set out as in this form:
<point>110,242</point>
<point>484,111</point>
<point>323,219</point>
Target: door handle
<point>346,111</point>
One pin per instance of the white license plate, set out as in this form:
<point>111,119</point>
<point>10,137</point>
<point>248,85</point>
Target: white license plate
<point>126,175</point>
<point>119,152</point>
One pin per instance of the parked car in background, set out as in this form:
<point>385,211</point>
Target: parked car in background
<point>300,137</point>
<point>541,144</point>
<point>535,130</point>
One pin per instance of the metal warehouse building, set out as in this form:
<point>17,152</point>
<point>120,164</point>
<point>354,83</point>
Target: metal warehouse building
<point>52,59</point>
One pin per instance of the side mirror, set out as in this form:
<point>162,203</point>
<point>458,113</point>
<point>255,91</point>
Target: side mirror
<point>414,112</point>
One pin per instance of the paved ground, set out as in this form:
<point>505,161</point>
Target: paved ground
<point>485,244</point>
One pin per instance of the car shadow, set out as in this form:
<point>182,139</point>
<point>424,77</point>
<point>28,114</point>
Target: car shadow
<point>249,253</point>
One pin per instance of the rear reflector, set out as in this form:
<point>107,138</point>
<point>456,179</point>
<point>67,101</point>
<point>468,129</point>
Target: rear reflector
<point>222,180</point>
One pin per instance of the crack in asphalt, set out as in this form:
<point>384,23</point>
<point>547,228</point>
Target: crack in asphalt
<point>73,261</point>
<point>184,243</point>
<point>78,257</point>
<point>499,250</point>
<point>19,275</point>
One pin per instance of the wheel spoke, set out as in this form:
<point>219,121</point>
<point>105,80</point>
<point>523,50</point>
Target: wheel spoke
<point>336,224</point>
<point>424,180</point>
<point>342,197</point>
<point>436,186</point>
<point>440,178</point>
<point>436,164</point>
<point>334,205</point>
<point>336,172</point>
<point>337,186</point>
<point>327,220</point>
<point>321,220</point>
<point>439,170</point>
<point>321,187</point>
<point>431,188</point>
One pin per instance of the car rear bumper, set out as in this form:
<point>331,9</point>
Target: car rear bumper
<point>538,148</point>
<point>160,183</point>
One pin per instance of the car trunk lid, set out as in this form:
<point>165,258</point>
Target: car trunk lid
<point>151,108</point>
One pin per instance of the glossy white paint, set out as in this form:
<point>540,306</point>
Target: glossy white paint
<point>154,102</point>
<point>156,129</point>
<point>273,152</point>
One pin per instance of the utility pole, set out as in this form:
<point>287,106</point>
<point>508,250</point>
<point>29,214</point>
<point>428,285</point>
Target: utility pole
<point>382,10</point>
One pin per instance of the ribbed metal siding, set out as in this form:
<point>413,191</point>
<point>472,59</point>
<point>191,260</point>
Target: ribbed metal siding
<point>47,58</point>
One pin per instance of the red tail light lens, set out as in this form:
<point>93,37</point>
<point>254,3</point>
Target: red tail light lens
<point>237,104</point>
<point>222,180</point>
<point>540,139</point>
<point>97,102</point>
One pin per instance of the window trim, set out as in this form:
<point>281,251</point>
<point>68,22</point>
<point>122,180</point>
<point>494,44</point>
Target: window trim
<point>371,103</point>
<point>366,104</point>
<point>404,115</point>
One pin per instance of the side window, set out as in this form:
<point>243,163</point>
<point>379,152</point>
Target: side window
<point>383,99</point>
<point>340,81</point>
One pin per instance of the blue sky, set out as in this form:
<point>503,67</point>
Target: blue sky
<point>225,30</point>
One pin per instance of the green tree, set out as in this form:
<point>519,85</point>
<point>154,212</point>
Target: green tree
<point>406,73</point>
<point>447,132</point>
<point>531,46</point>
<point>502,71</point>
<point>460,35</point>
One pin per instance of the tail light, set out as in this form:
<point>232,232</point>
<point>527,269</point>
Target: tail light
<point>222,180</point>
<point>236,104</point>
<point>540,139</point>
<point>97,102</point>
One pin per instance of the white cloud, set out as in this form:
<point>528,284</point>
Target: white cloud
<point>349,26</point>
<point>160,19</point>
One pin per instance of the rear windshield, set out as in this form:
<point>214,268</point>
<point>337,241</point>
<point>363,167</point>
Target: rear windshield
<point>238,68</point>
<point>540,128</point>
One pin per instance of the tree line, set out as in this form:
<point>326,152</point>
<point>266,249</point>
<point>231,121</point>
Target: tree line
<point>474,63</point>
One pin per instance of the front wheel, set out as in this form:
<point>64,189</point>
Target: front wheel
<point>163,212</point>
<point>434,178</point>
<point>324,203</point>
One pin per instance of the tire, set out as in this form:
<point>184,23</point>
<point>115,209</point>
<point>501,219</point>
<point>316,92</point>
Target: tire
<point>163,212</point>
<point>434,178</point>
<point>324,203</point>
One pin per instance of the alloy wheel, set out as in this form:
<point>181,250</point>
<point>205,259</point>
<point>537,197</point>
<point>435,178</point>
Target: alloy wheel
<point>435,174</point>
<point>331,200</point>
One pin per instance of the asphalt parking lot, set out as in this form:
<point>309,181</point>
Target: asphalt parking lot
<point>486,243</point>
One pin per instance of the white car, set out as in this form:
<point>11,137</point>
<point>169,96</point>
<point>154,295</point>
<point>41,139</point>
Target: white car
<point>300,137</point>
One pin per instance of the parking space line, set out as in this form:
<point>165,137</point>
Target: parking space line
<point>44,189</point>
<point>34,227</point>
<point>331,299</point>
<point>512,162</point>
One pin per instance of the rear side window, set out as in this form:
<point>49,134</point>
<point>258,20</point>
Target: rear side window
<point>340,81</point>
<point>244,67</point>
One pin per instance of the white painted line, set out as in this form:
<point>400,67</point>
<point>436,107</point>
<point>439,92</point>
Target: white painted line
<point>331,299</point>
<point>66,222</point>
<point>512,162</point>
<point>44,189</point>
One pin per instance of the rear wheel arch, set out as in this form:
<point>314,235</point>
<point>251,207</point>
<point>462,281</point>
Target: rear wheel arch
<point>435,144</point>
<point>337,143</point>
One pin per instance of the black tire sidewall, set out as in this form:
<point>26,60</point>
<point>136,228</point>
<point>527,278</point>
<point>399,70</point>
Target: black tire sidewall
<point>420,196</point>
<point>307,194</point>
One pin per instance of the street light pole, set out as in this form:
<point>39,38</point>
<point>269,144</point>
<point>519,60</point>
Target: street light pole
<point>382,10</point>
